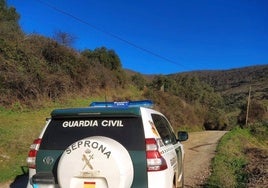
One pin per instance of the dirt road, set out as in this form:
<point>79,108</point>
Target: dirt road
<point>199,150</point>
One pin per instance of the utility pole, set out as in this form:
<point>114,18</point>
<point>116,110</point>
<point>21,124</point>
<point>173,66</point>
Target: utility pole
<point>249,93</point>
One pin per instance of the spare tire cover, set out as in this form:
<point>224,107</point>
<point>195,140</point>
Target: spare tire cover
<point>93,158</point>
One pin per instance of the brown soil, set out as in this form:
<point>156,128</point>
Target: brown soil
<point>257,168</point>
<point>199,150</point>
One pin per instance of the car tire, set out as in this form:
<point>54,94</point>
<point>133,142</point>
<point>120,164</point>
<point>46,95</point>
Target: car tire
<point>96,160</point>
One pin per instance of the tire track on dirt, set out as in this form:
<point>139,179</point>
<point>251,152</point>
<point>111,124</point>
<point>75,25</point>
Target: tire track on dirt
<point>200,148</point>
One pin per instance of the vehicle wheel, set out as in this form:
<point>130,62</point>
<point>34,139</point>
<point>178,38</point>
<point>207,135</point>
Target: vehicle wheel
<point>96,160</point>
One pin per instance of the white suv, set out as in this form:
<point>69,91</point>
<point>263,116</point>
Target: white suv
<point>109,144</point>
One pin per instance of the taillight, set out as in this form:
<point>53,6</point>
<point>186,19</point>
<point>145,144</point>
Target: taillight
<point>155,161</point>
<point>33,152</point>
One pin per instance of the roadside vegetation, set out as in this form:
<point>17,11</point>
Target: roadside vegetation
<point>39,74</point>
<point>241,159</point>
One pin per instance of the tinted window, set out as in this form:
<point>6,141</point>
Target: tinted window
<point>63,132</point>
<point>163,129</point>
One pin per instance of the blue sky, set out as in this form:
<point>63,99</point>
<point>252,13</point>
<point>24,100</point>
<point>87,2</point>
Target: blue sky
<point>158,36</point>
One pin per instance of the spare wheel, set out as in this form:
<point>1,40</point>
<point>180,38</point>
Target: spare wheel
<point>95,162</point>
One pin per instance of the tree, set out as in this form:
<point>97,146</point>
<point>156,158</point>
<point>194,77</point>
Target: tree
<point>108,58</point>
<point>138,80</point>
<point>163,83</point>
<point>9,22</point>
<point>215,119</point>
<point>64,38</point>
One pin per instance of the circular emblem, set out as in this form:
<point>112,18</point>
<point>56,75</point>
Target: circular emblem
<point>97,159</point>
<point>48,160</point>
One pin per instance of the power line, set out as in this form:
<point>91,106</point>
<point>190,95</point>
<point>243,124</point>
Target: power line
<point>109,33</point>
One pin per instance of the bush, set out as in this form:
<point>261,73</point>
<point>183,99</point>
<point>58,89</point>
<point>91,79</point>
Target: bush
<point>256,113</point>
<point>215,119</point>
<point>259,130</point>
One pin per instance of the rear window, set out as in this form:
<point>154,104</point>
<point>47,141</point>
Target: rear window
<point>63,132</point>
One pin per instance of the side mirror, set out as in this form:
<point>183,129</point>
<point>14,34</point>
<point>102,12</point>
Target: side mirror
<point>182,136</point>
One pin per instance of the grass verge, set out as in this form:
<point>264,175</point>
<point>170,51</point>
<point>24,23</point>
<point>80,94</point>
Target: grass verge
<point>231,161</point>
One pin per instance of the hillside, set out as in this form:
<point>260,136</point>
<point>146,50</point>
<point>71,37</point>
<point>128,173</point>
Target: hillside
<point>35,70</point>
<point>235,83</point>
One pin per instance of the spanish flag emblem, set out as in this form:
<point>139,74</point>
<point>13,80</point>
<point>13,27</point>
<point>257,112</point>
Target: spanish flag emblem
<point>89,184</point>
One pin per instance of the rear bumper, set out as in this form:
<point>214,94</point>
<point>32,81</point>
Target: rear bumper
<point>42,180</point>
<point>160,179</point>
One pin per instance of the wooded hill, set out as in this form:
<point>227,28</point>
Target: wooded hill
<point>224,91</point>
<point>235,84</point>
<point>35,69</point>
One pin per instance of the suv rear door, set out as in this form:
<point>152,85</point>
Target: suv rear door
<point>63,131</point>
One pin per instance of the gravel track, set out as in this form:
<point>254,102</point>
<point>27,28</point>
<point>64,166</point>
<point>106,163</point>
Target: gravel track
<point>200,148</point>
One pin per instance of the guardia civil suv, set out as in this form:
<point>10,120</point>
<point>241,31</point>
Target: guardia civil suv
<point>107,145</point>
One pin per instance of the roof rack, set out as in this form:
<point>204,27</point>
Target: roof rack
<point>124,104</point>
